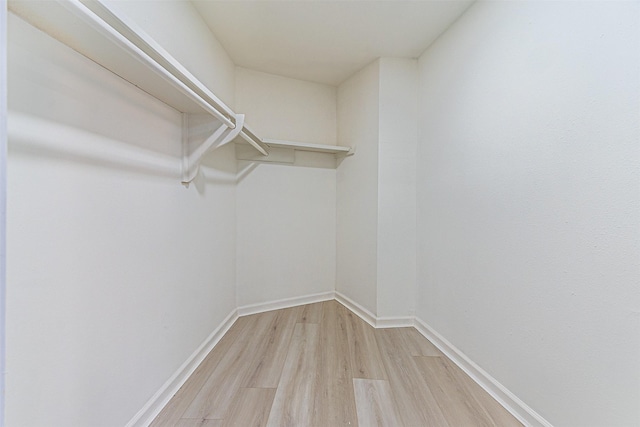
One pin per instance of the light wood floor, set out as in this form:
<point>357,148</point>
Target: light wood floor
<point>321,365</point>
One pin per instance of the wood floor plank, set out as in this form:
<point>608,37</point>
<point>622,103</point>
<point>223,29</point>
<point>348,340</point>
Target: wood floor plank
<point>310,313</point>
<point>195,422</point>
<point>416,344</point>
<point>495,411</point>
<point>335,403</point>
<point>413,398</point>
<point>215,396</point>
<point>457,404</point>
<point>365,358</point>
<point>374,403</point>
<point>334,342</point>
<point>179,403</point>
<point>293,404</point>
<point>266,367</point>
<point>250,408</point>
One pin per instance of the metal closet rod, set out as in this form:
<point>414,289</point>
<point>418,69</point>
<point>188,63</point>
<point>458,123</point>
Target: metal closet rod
<point>103,27</point>
<point>252,139</point>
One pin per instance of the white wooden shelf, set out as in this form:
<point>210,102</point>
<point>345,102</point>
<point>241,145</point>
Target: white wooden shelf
<point>112,40</point>
<point>303,146</point>
<point>126,51</point>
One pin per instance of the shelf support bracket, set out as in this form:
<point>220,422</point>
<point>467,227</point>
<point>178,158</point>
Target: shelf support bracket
<point>191,158</point>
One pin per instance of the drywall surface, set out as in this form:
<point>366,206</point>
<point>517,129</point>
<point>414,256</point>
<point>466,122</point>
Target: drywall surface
<point>357,187</point>
<point>528,202</point>
<point>3,202</point>
<point>398,137</point>
<point>287,109</point>
<point>179,29</point>
<point>286,229</point>
<point>286,232</point>
<point>376,210</point>
<point>116,272</point>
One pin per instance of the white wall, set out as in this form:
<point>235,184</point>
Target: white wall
<point>3,199</point>
<point>398,137</point>
<point>116,272</point>
<point>286,229</point>
<point>286,232</point>
<point>286,109</point>
<point>528,202</point>
<point>377,113</point>
<point>357,188</point>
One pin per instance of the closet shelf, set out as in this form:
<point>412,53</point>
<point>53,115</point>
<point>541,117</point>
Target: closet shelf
<point>112,40</point>
<point>303,146</point>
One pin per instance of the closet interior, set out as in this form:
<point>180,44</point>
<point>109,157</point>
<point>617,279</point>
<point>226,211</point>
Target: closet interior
<point>478,187</point>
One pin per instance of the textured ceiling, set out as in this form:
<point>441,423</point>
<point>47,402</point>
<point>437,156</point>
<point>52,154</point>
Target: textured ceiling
<point>325,41</point>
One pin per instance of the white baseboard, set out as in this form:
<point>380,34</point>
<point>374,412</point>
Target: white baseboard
<point>246,310</point>
<point>152,408</point>
<point>510,401</point>
<point>359,310</point>
<point>394,322</point>
<point>372,319</point>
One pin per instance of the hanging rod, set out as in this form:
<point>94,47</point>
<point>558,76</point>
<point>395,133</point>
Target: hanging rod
<point>101,25</point>
<point>130,30</point>
<point>252,139</point>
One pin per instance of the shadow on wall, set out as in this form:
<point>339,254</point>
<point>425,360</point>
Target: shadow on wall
<point>208,172</point>
<point>33,136</point>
